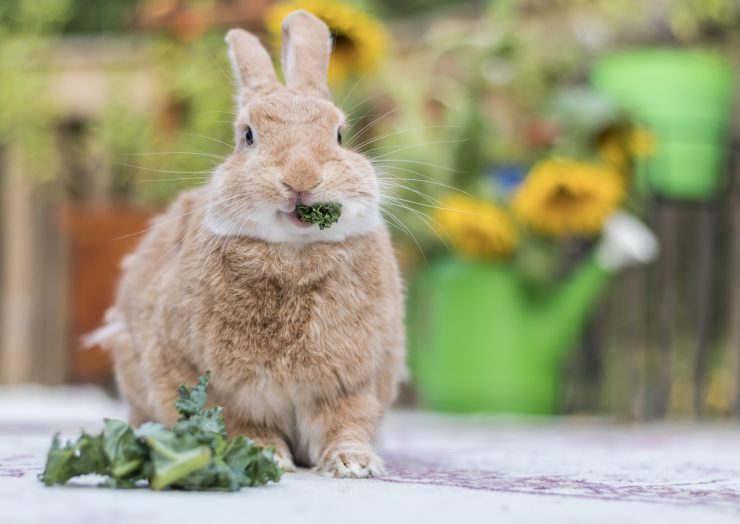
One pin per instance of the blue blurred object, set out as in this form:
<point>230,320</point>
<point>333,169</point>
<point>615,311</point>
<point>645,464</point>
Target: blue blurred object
<point>507,178</point>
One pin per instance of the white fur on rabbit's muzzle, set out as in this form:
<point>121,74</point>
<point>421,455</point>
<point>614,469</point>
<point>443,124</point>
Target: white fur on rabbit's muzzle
<point>270,224</point>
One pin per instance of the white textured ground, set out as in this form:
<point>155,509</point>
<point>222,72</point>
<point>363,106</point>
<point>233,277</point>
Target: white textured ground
<point>439,470</point>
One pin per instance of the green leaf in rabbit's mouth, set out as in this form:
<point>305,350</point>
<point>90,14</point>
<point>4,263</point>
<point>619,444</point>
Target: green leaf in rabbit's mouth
<point>323,215</point>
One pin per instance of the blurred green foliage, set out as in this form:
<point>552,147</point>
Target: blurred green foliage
<point>150,156</point>
<point>99,16</point>
<point>195,131</point>
<point>448,127</point>
<point>26,30</point>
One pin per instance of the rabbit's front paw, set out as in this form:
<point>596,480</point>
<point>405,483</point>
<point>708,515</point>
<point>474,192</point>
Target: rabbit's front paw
<point>285,462</point>
<point>351,461</point>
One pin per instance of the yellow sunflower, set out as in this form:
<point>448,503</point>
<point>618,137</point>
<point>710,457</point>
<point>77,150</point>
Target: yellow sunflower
<point>612,150</point>
<point>475,228</point>
<point>359,39</point>
<point>641,142</point>
<point>562,196</point>
<point>617,147</point>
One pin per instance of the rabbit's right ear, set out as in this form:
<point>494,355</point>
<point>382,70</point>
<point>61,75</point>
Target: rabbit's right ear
<point>251,64</point>
<point>305,55</point>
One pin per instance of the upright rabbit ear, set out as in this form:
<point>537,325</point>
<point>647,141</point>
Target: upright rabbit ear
<point>305,53</point>
<point>251,64</point>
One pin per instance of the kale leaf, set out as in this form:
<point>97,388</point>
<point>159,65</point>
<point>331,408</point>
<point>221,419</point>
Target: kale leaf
<point>125,453</point>
<point>193,400</point>
<point>195,454</point>
<point>324,215</point>
<point>82,457</point>
<point>174,457</point>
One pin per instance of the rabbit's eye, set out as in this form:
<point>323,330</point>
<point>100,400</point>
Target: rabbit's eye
<point>249,137</point>
<point>339,138</point>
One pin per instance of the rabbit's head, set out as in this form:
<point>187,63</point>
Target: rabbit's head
<point>288,146</point>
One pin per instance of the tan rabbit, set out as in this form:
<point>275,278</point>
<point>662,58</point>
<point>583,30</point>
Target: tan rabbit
<point>302,328</point>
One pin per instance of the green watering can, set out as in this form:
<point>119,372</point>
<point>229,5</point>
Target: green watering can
<point>481,342</point>
<point>685,98</point>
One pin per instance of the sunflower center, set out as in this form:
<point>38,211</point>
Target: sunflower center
<point>564,197</point>
<point>343,44</point>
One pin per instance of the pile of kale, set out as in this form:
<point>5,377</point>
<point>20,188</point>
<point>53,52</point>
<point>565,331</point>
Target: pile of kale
<point>194,455</point>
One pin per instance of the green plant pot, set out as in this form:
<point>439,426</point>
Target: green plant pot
<point>685,98</point>
<point>481,342</point>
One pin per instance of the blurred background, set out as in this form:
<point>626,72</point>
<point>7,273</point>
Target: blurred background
<point>526,150</point>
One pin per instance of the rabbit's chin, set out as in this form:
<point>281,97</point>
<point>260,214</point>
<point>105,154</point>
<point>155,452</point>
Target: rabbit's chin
<point>273,225</point>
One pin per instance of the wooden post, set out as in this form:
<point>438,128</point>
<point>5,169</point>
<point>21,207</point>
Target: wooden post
<point>705,253</point>
<point>17,276</point>
<point>634,305</point>
<point>662,370</point>
<point>733,278</point>
<point>50,333</point>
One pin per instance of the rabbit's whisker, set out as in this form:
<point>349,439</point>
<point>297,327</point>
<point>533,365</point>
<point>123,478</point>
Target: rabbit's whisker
<point>389,184</point>
<point>361,102</point>
<point>206,137</point>
<point>366,127</point>
<point>433,182</point>
<point>195,153</point>
<point>204,177</point>
<point>214,112</point>
<point>396,133</point>
<point>387,169</point>
<point>408,161</point>
<point>349,93</point>
<point>404,228</point>
<point>425,219</point>
<point>441,208</point>
<point>172,171</point>
<point>191,228</point>
<point>407,148</point>
<point>229,88</point>
<point>178,217</point>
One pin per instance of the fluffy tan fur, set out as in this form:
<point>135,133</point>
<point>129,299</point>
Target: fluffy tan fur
<point>303,334</point>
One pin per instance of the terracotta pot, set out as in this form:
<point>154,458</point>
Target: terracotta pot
<point>98,238</point>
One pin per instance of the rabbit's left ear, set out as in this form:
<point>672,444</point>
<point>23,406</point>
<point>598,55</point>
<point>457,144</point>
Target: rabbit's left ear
<point>251,64</point>
<point>305,53</point>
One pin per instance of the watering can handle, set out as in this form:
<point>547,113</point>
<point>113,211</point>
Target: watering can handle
<point>626,241</point>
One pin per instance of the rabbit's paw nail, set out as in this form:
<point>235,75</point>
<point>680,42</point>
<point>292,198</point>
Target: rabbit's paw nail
<point>351,462</point>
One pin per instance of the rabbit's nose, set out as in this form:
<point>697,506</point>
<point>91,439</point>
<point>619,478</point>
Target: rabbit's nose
<point>302,182</point>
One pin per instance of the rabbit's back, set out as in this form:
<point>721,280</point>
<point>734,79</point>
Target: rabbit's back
<point>133,321</point>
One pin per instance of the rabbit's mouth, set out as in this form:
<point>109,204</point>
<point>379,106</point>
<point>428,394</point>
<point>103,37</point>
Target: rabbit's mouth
<point>294,219</point>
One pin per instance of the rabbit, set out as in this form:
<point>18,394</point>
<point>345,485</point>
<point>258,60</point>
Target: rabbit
<point>301,328</point>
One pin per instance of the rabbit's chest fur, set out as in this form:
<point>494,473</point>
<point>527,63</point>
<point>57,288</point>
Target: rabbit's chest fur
<point>268,330</point>
<point>292,319</point>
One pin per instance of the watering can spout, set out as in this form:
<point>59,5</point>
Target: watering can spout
<point>625,242</point>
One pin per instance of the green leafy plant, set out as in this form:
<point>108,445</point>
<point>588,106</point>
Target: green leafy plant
<point>324,215</point>
<point>194,455</point>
